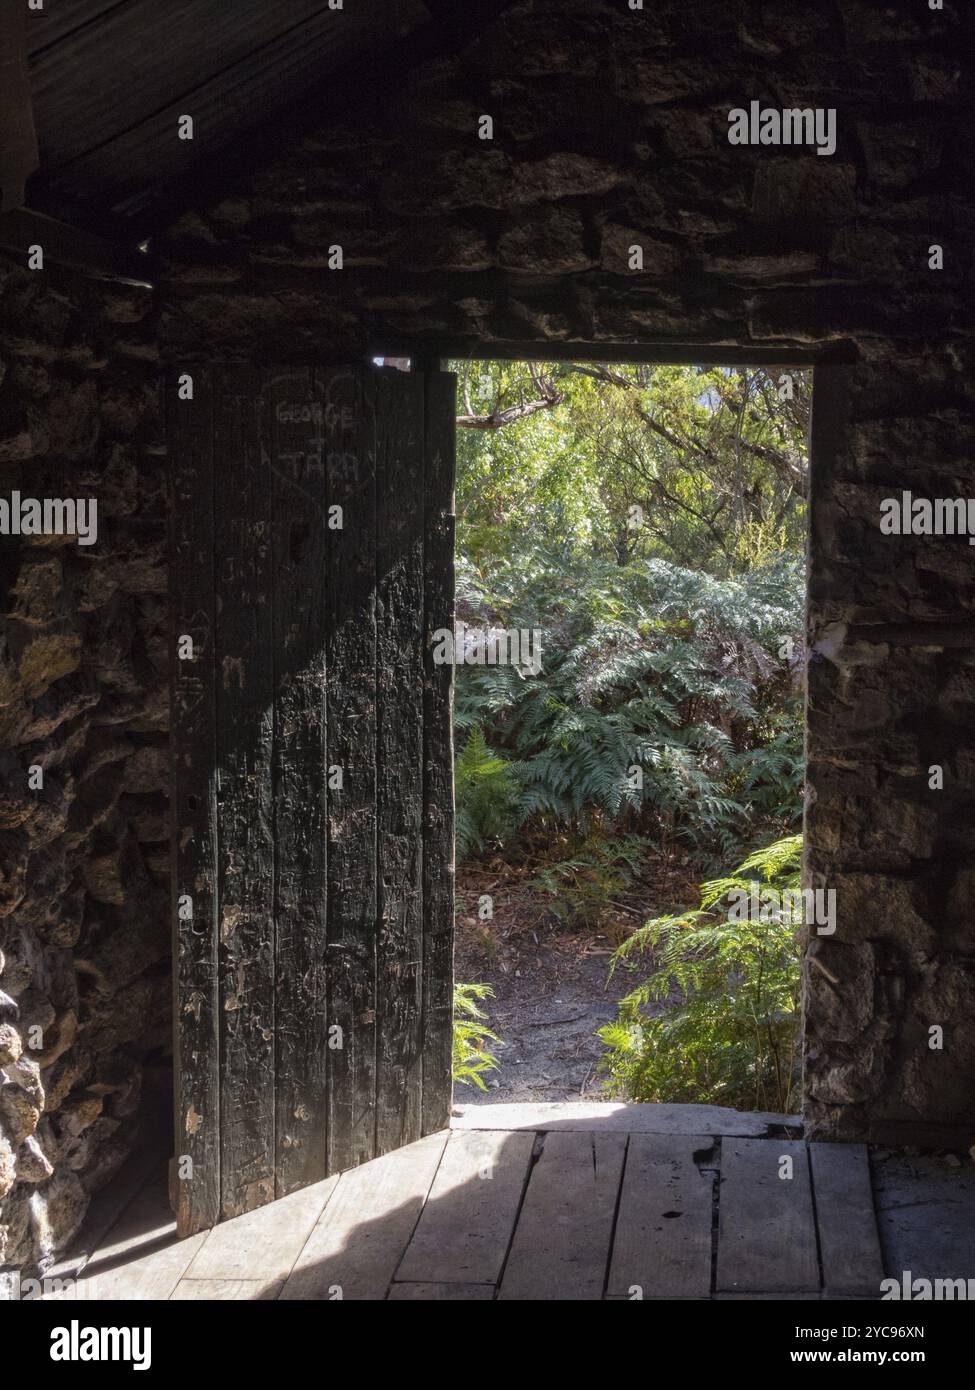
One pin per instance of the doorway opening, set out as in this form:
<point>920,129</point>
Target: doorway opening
<point>629,726</point>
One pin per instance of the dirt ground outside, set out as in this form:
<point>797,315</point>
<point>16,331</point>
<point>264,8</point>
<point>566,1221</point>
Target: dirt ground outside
<point>550,978</point>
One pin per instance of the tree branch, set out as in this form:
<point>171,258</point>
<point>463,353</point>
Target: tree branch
<point>499,416</point>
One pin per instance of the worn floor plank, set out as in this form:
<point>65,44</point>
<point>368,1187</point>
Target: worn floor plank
<point>265,1243</point>
<point>562,1241</point>
<point>848,1239</point>
<point>359,1241</point>
<point>435,1293</point>
<point>768,1297</point>
<point>663,1228</point>
<point>466,1225</point>
<point>111,1203</point>
<point>226,1290</point>
<point>141,1258</point>
<point>766,1230</point>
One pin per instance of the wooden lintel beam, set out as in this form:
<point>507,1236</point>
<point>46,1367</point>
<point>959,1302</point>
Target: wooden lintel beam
<point>692,354</point>
<point>71,247</point>
<point>18,150</point>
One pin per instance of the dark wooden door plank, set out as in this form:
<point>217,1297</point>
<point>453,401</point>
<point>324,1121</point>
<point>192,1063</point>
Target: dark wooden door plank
<point>193,811</point>
<point>438,775</point>
<point>246,846</point>
<point>300,539</point>
<point>848,1240</point>
<point>562,1241</point>
<point>766,1231</point>
<point>350,430</point>
<point>662,1247</point>
<point>399,756</point>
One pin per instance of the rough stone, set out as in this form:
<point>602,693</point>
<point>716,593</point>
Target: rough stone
<point>659,257</point>
<point>550,241</point>
<point>46,659</point>
<point>73,415</point>
<point>33,1165</point>
<point>810,192</point>
<point>11,1046</point>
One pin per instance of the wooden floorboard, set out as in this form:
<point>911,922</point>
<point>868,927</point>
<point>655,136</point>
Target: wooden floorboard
<point>468,1221</point>
<point>848,1239</point>
<point>459,1293</point>
<point>663,1230</point>
<point>141,1257</point>
<point>766,1228</point>
<point>227,1290</point>
<point>262,1244</point>
<point>358,1243</point>
<point>475,1214</point>
<point>562,1241</point>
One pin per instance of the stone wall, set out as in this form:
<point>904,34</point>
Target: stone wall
<point>83,695</point>
<point>610,130</point>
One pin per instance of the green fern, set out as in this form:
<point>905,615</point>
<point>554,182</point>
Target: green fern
<point>488,797</point>
<point>470,1057</point>
<point>584,887</point>
<point>656,667</point>
<point>731,1035</point>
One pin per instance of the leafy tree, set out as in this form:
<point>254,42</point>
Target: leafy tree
<point>715,458</point>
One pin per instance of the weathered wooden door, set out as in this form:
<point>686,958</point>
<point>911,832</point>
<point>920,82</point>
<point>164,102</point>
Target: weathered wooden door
<point>312,798</point>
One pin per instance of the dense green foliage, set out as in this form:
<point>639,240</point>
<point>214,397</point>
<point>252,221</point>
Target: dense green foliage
<point>488,796</point>
<point>582,886</point>
<point>647,525</point>
<point>470,1058</point>
<point>667,703</point>
<point>713,457</point>
<point>727,1031</point>
<point>653,668</point>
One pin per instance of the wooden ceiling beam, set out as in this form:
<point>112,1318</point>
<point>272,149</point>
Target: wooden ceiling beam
<point>18,151</point>
<point>71,247</point>
<point>142,178</point>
